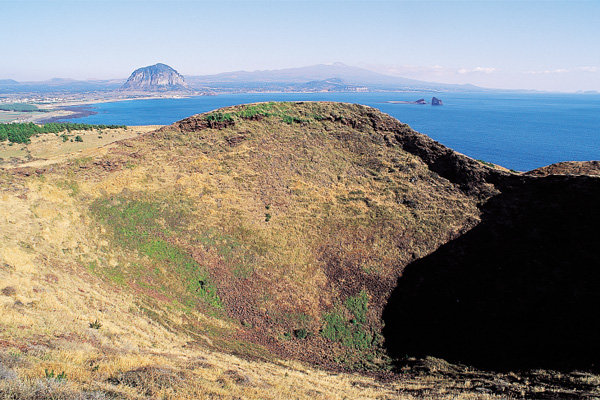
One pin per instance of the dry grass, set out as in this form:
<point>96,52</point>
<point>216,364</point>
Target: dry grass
<point>45,324</point>
<point>50,148</point>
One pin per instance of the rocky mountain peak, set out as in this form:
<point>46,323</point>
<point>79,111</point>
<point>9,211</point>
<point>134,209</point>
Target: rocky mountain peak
<point>157,77</point>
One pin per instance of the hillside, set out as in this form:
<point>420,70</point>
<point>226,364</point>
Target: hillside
<point>568,168</point>
<point>258,250</point>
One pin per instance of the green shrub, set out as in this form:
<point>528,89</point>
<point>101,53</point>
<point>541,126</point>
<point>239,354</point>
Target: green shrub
<point>352,333</point>
<point>288,119</point>
<point>95,325</point>
<point>336,327</point>
<point>301,333</point>
<point>489,164</point>
<point>219,117</point>
<point>357,305</point>
<point>60,377</point>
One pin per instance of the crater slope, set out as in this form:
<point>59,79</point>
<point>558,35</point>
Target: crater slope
<point>235,252</point>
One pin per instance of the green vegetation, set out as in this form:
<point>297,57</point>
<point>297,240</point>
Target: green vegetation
<point>78,138</point>
<point>357,305</point>
<point>51,375</point>
<point>22,132</point>
<point>70,185</point>
<point>219,117</point>
<point>144,227</point>
<point>95,325</point>
<point>21,107</point>
<point>301,333</point>
<point>288,119</point>
<point>257,111</point>
<point>352,333</point>
<point>489,164</point>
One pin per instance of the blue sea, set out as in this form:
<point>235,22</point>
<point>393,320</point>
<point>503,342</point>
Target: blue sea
<point>518,131</point>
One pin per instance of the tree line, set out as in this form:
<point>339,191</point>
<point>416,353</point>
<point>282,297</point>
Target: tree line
<point>22,132</point>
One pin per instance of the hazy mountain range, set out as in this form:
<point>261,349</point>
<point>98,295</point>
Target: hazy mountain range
<point>339,73</point>
<point>321,77</point>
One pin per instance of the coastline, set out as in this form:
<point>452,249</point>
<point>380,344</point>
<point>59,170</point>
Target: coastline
<point>76,108</point>
<point>75,112</point>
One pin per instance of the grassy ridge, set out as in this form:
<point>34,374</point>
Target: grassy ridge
<point>282,111</point>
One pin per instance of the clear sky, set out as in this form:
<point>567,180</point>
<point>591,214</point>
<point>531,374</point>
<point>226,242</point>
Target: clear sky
<point>547,45</point>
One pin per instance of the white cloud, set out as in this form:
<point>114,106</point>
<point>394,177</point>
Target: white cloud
<point>409,69</point>
<point>548,71</point>
<point>485,70</point>
<point>427,70</point>
<point>588,69</point>
<point>563,70</point>
<point>586,77</point>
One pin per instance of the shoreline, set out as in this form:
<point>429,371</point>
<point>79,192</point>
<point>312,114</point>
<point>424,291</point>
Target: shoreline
<point>76,112</point>
<point>72,108</point>
<point>76,108</point>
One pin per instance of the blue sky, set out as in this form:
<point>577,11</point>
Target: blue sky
<point>549,45</point>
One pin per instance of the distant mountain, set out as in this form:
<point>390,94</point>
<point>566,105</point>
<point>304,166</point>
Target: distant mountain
<point>329,85</point>
<point>60,86</point>
<point>61,81</point>
<point>155,78</point>
<point>343,74</point>
<point>335,77</point>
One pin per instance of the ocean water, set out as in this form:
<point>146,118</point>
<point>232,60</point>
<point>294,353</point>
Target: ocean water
<point>518,131</point>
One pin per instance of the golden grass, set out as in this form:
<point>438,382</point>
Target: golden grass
<point>50,330</point>
<point>49,148</point>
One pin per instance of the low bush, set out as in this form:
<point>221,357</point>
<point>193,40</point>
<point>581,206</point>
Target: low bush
<point>350,332</point>
<point>96,324</point>
<point>301,333</point>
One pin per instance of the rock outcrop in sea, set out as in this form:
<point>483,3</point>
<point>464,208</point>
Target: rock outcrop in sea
<point>436,102</point>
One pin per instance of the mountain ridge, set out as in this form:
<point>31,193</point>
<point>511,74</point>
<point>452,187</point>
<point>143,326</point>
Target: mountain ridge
<point>310,78</point>
<point>348,74</point>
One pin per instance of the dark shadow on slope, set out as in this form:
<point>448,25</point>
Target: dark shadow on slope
<point>520,290</point>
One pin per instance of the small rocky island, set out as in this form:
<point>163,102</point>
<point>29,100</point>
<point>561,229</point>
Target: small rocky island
<point>420,101</point>
<point>434,102</point>
<point>155,78</point>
